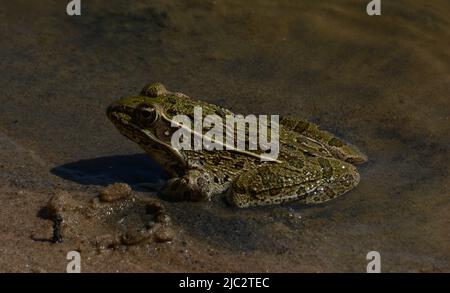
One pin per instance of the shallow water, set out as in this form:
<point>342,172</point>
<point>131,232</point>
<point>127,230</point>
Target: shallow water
<point>382,83</point>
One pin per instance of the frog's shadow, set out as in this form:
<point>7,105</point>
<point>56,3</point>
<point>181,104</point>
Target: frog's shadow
<point>131,169</point>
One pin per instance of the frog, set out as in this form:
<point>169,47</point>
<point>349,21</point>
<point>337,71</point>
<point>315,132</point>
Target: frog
<point>313,165</point>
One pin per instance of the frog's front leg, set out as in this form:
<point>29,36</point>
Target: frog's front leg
<point>314,180</point>
<point>194,185</point>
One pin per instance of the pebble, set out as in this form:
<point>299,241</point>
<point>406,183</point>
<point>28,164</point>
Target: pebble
<point>115,192</point>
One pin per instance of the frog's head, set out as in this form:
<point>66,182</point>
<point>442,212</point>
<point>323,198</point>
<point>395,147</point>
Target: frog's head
<point>143,120</point>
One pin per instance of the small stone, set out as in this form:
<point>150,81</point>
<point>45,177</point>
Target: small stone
<point>106,241</point>
<point>115,192</point>
<point>164,235</point>
<point>163,218</point>
<point>95,203</point>
<point>135,237</point>
<point>60,202</point>
<point>154,207</point>
<point>149,225</point>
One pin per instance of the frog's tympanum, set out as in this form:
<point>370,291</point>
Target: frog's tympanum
<point>313,165</point>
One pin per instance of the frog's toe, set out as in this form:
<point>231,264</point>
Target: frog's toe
<point>238,198</point>
<point>154,90</point>
<point>346,151</point>
<point>355,156</point>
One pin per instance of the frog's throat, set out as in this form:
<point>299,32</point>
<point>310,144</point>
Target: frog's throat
<point>168,147</point>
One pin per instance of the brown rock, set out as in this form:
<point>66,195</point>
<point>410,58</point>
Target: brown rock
<point>164,234</point>
<point>115,192</point>
<point>61,202</point>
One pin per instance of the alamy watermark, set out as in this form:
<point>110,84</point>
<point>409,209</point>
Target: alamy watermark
<point>249,133</point>
<point>374,264</point>
<point>73,8</point>
<point>374,8</point>
<point>74,264</point>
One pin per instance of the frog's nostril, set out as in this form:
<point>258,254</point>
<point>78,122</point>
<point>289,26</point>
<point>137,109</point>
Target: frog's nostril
<point>111,108</point>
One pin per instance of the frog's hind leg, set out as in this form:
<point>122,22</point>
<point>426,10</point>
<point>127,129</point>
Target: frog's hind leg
<point>337,148</point>
<point>317,181</point>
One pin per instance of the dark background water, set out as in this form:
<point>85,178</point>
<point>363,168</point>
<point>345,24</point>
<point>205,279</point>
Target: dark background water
<point>382,83</point>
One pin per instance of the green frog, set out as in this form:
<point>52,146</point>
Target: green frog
<point>313,165</point>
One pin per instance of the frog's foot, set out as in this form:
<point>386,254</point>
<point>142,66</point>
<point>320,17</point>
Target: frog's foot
<point>317,181</point>
<point>193,186</point>
<point>333,145</point>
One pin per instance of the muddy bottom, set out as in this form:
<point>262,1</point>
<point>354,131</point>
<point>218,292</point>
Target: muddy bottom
<point>381,83</point>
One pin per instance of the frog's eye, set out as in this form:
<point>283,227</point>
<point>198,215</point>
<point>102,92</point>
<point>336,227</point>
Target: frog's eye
<point>148,113</point>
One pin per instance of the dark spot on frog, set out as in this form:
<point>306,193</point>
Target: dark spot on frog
<point>335,142</point>
<point>329,192</point>
<point>239,164</point>
<point>301,126</point>
<point>171,100</point>
<point>301,190</point>
<point>275,191</point>
<point>201,182</point>
<point>172,112</point>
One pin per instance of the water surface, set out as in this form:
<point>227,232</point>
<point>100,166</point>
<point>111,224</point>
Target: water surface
<point>382,83</point>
